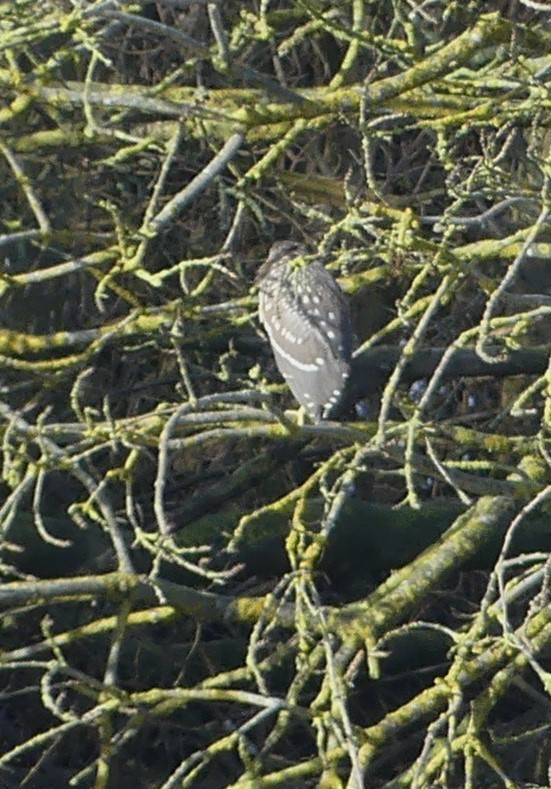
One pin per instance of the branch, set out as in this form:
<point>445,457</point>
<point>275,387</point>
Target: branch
<point>372,367</point>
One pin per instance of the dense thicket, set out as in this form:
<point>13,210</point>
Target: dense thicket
<point>198,589</point>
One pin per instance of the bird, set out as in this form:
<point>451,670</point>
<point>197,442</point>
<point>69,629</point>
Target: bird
<point>307,319</point>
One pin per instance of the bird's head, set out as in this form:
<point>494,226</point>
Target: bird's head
<point>286,252</point>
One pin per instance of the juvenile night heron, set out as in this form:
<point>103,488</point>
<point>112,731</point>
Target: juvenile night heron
<point>306,316</point>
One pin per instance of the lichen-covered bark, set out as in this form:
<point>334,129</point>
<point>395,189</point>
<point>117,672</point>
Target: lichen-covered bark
<point>198,587</point>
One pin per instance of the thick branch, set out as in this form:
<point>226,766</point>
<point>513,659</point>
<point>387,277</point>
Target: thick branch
<point>372,367</point>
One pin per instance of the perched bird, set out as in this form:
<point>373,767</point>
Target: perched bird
<point>307,318</point>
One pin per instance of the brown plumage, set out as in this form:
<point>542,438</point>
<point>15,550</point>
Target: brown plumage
<point>307,319</point>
